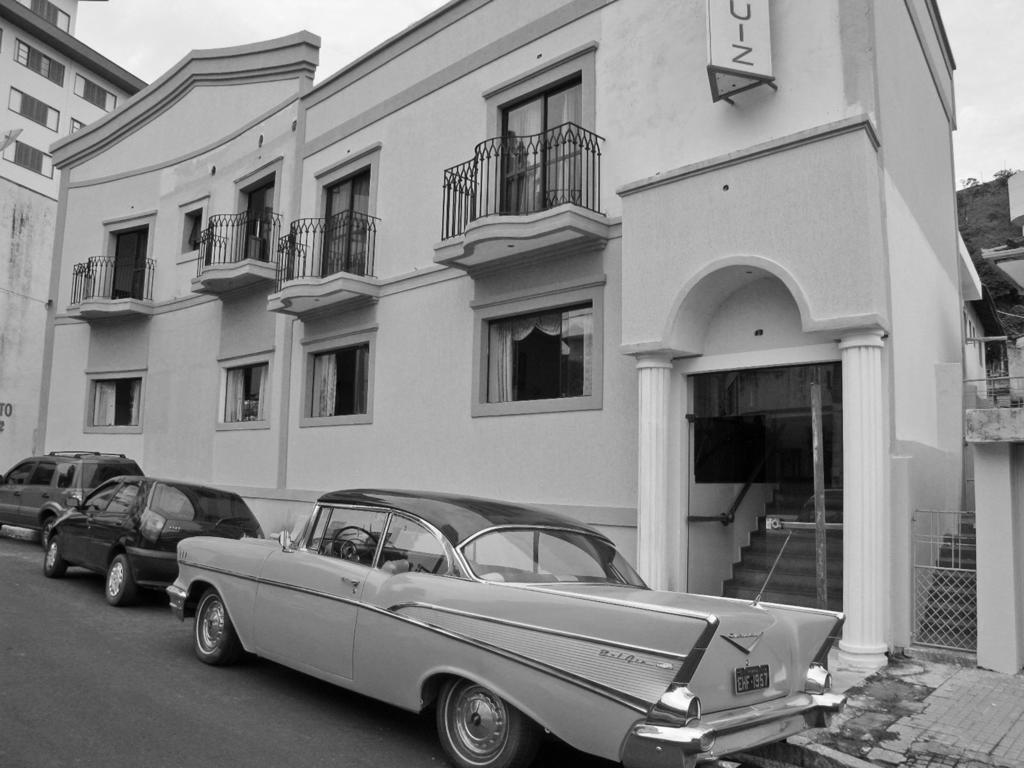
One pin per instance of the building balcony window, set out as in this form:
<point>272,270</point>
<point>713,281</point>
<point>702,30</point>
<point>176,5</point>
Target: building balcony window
<point>106,286</point>
<point>523,195</point>
<point>237,250</point>
<point>326,262</point>
<point>994,410</point>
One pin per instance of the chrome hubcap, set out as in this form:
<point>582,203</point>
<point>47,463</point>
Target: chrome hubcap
<point>115,579</point>
<point>51,555</point>
<point>211,628</point>
<point>480,720</point>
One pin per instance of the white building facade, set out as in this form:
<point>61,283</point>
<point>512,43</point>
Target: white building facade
<point>525,250</point>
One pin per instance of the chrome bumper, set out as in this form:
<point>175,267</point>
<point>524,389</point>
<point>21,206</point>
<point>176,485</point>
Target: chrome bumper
<point>716,735</point>
<point>177,598</point>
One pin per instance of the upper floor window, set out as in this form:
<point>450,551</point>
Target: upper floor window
<point>130,252</point>
<point>94,93</point>
<point>346,232</point>
<point>192,232</point>
<point>50,12</point>
<point>39,62</point>
<point>260,221</point>
<point>76,125</point>
<point>542,164</point>
<point>33,109</point>
<point>29,157</point>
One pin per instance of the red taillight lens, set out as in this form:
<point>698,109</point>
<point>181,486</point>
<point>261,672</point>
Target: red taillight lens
<point>151,525</point>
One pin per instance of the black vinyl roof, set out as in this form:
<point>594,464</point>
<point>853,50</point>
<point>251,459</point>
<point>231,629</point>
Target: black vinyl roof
<point>457,517</point>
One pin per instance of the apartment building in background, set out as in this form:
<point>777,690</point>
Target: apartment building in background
<point>548,252</point>
<point>52,85</point>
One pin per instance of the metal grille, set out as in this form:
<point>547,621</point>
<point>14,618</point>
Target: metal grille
<point>945,580</point>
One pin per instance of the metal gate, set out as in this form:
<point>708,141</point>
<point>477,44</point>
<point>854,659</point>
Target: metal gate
<point>945,580</point>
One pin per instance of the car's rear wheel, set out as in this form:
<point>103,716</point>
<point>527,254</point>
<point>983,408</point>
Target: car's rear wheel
<point>54,564</point>
<point>121,588</point>
<point>215,639</point>
<point>46,529</point>
<point>479,729</point>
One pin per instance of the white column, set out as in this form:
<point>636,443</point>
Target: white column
<point>654,373</point>
<point>865,522</point>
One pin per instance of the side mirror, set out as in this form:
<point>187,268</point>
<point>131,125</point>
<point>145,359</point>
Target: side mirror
<point>285,540</point>
<point>73,499</point>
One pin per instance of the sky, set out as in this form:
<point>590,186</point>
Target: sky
<point>147,37</point>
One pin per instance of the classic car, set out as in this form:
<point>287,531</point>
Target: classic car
<point>510,621</point>
<point>130,526</point>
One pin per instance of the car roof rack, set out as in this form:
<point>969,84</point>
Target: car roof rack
<point>80,454</point>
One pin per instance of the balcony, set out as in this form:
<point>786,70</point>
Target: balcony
<point>326,263</point>
<point>523,196</point>
<point>994,410</point>
<point>236,250</point>
<point>104,287</point>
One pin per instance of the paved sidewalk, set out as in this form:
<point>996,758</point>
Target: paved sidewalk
<point>917,713</point>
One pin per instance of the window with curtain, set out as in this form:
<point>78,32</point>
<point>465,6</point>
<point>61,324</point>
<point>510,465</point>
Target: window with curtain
<point>115,402</point>
<point>340,381</point>
<point>541,163</point>
<point>244,398</point>
<point>542,355</point>
<point>346,208</point>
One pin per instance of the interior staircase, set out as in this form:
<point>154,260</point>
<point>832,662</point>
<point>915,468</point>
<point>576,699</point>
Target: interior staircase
<point>794,580</point>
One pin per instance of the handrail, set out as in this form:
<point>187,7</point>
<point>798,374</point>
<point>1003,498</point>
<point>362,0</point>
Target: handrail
<point>321,247</point>
<point>519,175</point>
<point>729,516</point>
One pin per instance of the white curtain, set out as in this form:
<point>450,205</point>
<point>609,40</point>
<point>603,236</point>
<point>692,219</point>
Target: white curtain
<point>235,395</point>
<point>578,343</point>
<point>503,335</point>
<point>103,404</point>
<point>259,380</point>
<point>325,384</point>
<point>135,391</point>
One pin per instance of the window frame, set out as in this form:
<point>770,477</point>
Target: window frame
<point>90,402</point>
<point>311,349</point>
<point>16,94</point>
<point>45,170</point>
<point>109,103</point>
<point>75,125</point>
<point>53,74</point>
<point>235,363</point>
<point>558,297</point>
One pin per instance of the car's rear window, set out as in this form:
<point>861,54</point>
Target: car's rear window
<point>202,505</point>
<point>94,475</point>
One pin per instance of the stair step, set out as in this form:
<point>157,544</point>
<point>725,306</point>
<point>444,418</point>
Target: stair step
<point>789,563</point>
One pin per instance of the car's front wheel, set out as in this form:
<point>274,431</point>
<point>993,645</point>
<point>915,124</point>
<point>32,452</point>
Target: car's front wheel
<point>479,729</point>
<point>215,639</point>
<point>121,588</point>
<point>54,564</point>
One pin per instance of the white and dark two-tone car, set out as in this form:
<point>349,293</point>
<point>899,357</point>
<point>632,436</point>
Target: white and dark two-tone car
<point>509,621</point>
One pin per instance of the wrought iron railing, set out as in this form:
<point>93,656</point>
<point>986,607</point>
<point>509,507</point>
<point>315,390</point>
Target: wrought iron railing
<point>103,277</point>
<point>994,392</point>
<point>322,247</point>
<point>519,175</point>
<point>232,237</point>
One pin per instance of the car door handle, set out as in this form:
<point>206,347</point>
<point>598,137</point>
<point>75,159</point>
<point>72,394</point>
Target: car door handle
<point>354,583</point>
<point>46,495</point>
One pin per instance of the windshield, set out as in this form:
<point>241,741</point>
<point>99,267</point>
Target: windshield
<point>540,555</point>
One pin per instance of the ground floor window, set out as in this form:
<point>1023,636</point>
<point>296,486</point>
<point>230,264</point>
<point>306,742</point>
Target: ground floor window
<point>244,398</point>
<point>340,383</point>
<point>116,402</point>
<point>541,355</point>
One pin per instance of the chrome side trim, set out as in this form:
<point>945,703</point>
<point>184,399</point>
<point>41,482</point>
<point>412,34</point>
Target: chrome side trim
<point>701,615</point>
<point>543,630</point>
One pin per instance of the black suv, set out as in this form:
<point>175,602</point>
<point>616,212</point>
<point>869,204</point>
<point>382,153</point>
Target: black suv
<point>38,490</point>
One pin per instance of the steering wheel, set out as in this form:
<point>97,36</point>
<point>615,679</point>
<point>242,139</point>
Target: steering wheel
<point>346,541</point>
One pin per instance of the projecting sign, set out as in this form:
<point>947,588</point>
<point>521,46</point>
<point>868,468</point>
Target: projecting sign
<point>739,46</point>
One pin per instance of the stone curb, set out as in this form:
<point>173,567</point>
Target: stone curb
<point>802,752</point>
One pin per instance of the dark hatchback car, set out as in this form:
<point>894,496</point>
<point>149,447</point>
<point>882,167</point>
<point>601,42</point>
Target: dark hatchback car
<point>39,489</point>
<point>129,529</point>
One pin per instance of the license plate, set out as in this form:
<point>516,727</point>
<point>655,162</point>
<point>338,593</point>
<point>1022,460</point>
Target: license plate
<point>746,679</point>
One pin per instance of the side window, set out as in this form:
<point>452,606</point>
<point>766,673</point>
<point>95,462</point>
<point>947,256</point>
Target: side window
<point>123,500</point>
<point>20,474</point>
<point>65,475</point>
<point>410,546</point>
<point>98,501</point>
<point>348,533</point>
<point>43,473</point>
<point>172,503</point>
